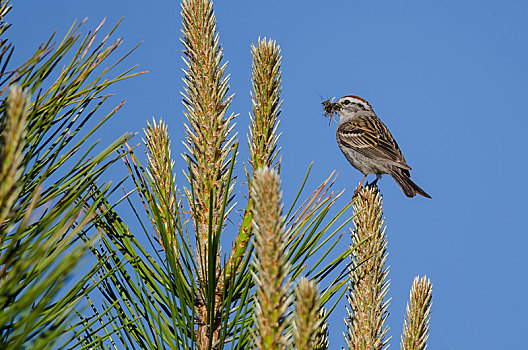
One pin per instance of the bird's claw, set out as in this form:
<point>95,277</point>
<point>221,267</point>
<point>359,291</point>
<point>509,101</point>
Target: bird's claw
<point>372,184</point>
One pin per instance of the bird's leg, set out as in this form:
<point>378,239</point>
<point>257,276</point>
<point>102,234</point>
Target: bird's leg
<point>360,186</point>
<point>373,183</point>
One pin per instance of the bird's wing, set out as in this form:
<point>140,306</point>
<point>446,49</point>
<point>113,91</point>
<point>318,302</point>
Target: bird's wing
<point>371,138</point>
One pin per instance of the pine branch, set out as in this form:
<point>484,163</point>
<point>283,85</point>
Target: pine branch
<point>305,324</point>
<point>12,143</point>
<point>206,103</point>
<point>271,278</point>
<point>416,323</point>
<point>48,169</point>
<point>161,175</point>
<point>266,103</point>
<point>208,144</point>
<point>369,285</point>
<point>263,137</point>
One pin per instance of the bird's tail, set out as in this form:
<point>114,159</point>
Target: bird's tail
<point>408,187</point>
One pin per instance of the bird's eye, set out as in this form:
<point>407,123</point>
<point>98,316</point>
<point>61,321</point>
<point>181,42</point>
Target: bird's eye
<point>347,102</point>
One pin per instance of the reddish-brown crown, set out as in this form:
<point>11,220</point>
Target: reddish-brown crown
<point>359,98</point>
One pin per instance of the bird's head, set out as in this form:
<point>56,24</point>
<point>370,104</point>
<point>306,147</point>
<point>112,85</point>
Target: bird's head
<point>348,106</point>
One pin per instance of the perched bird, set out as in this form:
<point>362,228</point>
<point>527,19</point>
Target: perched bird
<point>368,144</point>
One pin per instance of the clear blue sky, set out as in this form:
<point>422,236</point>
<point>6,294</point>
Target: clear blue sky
<point>449,78</point>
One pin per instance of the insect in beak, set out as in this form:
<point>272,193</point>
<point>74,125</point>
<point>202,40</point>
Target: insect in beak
<point>330,109</point>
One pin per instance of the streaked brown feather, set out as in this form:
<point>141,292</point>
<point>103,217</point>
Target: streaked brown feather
<point>370,137</point>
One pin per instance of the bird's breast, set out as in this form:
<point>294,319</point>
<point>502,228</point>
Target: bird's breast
<point>362,163</point>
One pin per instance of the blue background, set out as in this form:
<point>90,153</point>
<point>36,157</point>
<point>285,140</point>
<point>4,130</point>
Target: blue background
<point>448,78</point>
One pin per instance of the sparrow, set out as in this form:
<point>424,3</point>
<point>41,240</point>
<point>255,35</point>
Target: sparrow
<point>368,144</point>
